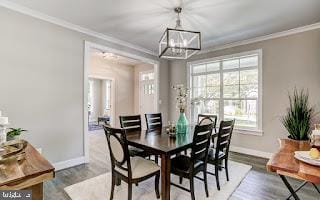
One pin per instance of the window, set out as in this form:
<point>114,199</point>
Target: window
<point>228,87</point>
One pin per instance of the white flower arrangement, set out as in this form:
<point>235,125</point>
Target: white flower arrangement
<point>182,97</point>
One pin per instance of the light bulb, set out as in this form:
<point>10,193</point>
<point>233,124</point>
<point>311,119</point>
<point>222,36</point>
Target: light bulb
<point>171,43</point>
<point>185,42</point>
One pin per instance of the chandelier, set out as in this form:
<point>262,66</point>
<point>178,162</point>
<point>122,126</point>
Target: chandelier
<point>178,43</point>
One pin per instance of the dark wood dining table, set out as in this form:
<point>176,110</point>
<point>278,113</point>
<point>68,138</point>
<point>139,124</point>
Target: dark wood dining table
<point>158,142</point>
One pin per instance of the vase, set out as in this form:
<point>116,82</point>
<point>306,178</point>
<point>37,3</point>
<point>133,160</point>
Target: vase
<point>182,124</point>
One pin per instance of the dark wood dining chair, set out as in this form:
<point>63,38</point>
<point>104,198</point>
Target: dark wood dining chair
<point>208,119</point>
<point>221,153</point>
<point>132,170</point>
<point>188,167</point>
<point>154,120</point>
<point>132,124</point>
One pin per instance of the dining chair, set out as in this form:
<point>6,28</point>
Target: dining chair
<point>188,167</point>
<point>132,123</point>
<point>208,119</point>
<point>154,120</point>
<point>132,170</point>
<point>221,153</point>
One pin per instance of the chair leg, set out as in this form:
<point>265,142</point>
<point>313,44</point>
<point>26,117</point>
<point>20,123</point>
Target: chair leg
<point>205,182</point>
<point>156,158</point>
<point>192,188</point>
<point>180,179</point>
<point>129,190</point>
<point>216,172</point>
<point>113,183</point>
<point>157,185</point>
<point>226,168</point>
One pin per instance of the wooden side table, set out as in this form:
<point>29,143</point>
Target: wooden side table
<point>285,165</point>
<point>28,174</point>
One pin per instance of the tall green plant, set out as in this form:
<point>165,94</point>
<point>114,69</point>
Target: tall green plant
<point>299,115</point>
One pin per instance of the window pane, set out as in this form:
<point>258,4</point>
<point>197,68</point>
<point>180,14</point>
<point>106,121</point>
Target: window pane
<point>231,85</point>
<point>243,111</point>
<point>213,67</point>
<point>249,91</point>
<point>213,79</point>
<point>148,76</point>
<point>199,81</point>
<point>230,64</point>
<point>231,91</point>
<point>199,69</point>
<point>199,92</point>
<point>231,78</point>
<point>249,61</point>
<point>205,107</point>
<point>213,92</point>
<point>249,76</point>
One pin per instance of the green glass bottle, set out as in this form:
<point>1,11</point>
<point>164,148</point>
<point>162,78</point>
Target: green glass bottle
<point>182,124</point>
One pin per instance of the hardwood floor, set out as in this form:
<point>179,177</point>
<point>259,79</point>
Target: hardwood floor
<point>258,184</point>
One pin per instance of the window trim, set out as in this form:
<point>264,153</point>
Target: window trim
<point>250,131</point>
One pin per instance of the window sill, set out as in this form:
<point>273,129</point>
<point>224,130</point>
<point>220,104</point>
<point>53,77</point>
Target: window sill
<point>248,131</point>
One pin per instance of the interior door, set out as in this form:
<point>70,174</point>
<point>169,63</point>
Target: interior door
<point>147,93</point>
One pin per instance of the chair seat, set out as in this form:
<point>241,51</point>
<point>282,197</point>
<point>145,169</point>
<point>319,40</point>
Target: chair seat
<point>182,163</point>
<point>140,167</point>
<point>212,154</point>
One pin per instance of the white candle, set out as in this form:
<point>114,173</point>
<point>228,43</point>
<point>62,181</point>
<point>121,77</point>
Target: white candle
<point>4,120</point>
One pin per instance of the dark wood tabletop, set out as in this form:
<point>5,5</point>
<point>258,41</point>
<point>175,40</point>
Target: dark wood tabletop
<point>158,141</point>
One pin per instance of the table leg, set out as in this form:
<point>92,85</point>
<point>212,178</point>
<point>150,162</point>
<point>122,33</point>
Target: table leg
<point>37,191</point>
<point>285,181</point>
<point>165,176</point>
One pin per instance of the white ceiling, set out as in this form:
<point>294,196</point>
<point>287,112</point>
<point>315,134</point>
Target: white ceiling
<point>142,22</point>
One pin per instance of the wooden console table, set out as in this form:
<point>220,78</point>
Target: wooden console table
<point>28,174</point>
<point>285,165</point>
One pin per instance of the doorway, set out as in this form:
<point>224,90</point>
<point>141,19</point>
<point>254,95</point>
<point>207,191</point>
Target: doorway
<point>101,99</point>
<point>120,87</point>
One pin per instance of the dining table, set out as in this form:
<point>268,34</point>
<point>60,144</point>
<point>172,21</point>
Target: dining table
<point>284,163</point>
<point>159,142</point>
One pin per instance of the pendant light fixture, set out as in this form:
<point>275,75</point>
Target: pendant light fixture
<point>178,43</point>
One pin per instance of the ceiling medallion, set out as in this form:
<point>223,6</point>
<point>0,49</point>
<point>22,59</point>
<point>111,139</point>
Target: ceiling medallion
<point>178,43</point>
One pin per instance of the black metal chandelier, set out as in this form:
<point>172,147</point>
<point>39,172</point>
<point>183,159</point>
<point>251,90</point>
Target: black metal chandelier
<point>178,43</point>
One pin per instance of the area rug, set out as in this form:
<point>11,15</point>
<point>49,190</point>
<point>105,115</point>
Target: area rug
<point>99,187</point>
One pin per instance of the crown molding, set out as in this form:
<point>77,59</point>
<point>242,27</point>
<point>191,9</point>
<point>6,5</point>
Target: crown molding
<point>68,25</point>
<point>263,38</point>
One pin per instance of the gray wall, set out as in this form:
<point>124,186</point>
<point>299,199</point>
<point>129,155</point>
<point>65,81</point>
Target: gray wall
<point>41,82</point>
<point>287,62</point>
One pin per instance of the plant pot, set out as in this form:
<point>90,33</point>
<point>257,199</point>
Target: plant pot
<point>290,137</point>
<point>16,137</point>
<point>182,124</point>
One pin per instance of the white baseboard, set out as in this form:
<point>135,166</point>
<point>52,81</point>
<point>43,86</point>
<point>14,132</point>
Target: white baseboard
<point>69,163</point>
<point>251,152</point>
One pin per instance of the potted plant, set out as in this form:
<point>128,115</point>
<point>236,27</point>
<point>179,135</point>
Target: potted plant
<point>14,133</point>
<point>299,116</point>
